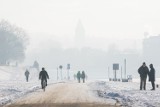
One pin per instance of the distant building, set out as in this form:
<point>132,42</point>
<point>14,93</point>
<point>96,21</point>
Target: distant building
<point>79,35</point>
<point>151,50</point>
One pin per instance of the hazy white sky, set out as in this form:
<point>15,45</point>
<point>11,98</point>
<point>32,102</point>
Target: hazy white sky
<point>122,19</point>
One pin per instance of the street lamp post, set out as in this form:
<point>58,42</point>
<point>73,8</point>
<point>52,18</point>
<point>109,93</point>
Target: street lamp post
<point>125,68</point>
<point>60,67</point>
<point>57,74</point>
<point>68,68</point>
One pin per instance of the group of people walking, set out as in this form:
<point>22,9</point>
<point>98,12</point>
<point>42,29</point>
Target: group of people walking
<point>143,72</point>
<point>81,75</point>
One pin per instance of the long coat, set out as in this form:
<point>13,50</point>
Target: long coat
<point>27,73</point>
<point>143,71</point>
<point>79,75</point>
<point>43,75</point>
<point>83,75</point>
<point>152,74</point>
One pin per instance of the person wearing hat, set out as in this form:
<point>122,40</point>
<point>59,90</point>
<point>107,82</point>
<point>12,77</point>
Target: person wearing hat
<point>143,72</point>
<point>152,76</point>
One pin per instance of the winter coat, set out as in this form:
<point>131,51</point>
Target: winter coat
<point>43,75</point>
<point>143,71</point>
<point>78,75</point>
<point>27,73</point>
<point>83,75</point>
<point>152,74</point>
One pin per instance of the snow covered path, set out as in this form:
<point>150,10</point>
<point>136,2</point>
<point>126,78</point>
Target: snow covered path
<point>68,94</point>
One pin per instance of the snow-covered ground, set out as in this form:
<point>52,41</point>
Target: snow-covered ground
<point>127,94</point>
<point>12,90</point>
<point>13,84</point>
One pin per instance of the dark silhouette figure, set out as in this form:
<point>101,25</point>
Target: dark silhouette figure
<point>79,76</point>
<point>83,76</point>
<point>143,71</point>
<point>27,74</point>
<point>43,75</point>
<point>152,76</point>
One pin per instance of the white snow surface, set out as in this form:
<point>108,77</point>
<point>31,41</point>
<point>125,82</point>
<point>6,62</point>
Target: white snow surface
<point>12,90</point>
<point>127,94</point>
<point>13,84</point>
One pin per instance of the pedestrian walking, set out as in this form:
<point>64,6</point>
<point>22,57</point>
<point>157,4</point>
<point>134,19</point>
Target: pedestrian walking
<point>27,75</point>
<point>79,76</point>
<point>83,76</point>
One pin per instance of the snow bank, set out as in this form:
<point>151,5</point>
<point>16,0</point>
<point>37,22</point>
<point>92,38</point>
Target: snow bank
<point>127,94</point>
<point>11,90</point>
<point>13,84</point>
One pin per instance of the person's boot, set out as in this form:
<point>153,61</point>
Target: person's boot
<point>153,89</point>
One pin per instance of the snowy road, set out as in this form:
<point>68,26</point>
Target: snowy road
<point>96,93</point>
<point>68,94</point>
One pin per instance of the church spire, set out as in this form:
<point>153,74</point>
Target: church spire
<point>79,35</point>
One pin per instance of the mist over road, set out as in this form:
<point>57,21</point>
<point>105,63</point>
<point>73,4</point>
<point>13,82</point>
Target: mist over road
<point>68,94</point>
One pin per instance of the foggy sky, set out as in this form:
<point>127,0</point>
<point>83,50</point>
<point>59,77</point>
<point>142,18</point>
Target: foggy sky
<point>109,19</point>
<point>52,24</point>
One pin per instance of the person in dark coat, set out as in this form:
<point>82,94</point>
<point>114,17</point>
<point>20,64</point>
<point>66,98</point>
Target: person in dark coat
<point>27,74</point>
<point>43,75</point>
<point>143,71</point>
<point>83,76</point>
<point>79,76</point>
<point>152,76</point>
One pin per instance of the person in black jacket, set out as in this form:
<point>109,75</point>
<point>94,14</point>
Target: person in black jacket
<point>152,76</point>
<point>43,75</point>
<point>79,76</point>
<point>83,76</point>
<point>27,74</point>
<point>143,71</point>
